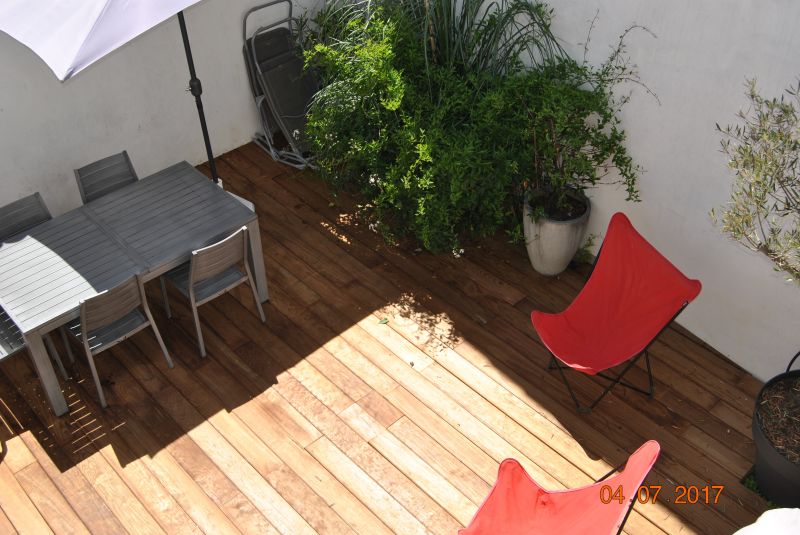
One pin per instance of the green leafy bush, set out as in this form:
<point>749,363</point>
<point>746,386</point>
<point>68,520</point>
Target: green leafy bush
<point>576,137</point>
<point>428,110</point>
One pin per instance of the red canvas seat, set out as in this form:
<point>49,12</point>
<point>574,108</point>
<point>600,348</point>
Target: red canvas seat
<point>517,505</point>
<point>632,295</point>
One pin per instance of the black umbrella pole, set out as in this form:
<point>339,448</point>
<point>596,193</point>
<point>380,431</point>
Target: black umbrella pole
<point>196,88</point>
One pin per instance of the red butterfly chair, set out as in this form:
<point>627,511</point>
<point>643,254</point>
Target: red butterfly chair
<point>516,505</point>
<point>632,295</point>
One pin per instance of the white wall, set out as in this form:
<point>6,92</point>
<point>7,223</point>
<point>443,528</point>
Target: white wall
<point>697,66</point>
<point>133,99</point>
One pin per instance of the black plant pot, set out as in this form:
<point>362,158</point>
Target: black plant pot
<point>777,477</point>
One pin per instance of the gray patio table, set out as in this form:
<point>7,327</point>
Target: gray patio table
<point>146,228</point>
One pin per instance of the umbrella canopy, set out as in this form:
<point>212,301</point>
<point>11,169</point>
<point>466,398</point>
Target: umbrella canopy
<point>70,35</point>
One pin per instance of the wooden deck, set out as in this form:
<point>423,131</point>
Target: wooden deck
<point>380,397</point>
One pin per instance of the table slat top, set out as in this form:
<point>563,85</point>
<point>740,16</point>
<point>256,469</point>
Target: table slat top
<point>46,271</point>
<point>167,215</point>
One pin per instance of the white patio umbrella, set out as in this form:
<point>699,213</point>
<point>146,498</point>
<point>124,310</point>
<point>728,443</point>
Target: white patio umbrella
<point>70,35</point>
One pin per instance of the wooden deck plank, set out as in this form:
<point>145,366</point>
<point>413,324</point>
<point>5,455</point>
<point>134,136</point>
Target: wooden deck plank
<point>49,501</point>
<point>18,506</point>
<point>315,474</point>
<point>18,456</point>
<point>436,486</point>
<point>148,489</point>
<point>129,510</point>
<point>381,469</point>
<point>376,406</point>
<point>324,417</point>
<point>5,524</point>
<point>360,484</point>
<point>447,464</point>
<point>257,453</point>
<point>222,465</point>
<point>262,423</point>
<point>735,420</point>
<point>147,439</point>
<point>78,491</point>
<point>46,444</point>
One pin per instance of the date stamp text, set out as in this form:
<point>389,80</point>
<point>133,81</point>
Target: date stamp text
<point>681,494</point>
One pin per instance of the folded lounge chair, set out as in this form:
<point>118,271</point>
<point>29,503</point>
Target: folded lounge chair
<point>517,505</point>
<point>632,295</point>
<point>281,86</point>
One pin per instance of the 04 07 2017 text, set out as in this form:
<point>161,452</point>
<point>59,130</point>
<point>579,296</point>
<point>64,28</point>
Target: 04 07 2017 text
<point>680,494</point>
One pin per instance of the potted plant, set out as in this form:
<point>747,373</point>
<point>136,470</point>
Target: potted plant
<point>764,214</point>
<point>776,433</point>
<point>576,143</point>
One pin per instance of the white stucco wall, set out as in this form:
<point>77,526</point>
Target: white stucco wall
<point>697,66</point>
<point>133,99</point>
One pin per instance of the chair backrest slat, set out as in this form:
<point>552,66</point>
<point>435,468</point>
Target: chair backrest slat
<point>104,176</point>
<point>111,305</point>
<point>22,215</point>
<point>215,259</point>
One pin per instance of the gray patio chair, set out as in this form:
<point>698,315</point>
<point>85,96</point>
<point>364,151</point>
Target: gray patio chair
<point>211,272</point>
<point>15,218</point>
<point>111,317</point>
<point>104,176</point>
<point>21,215</point>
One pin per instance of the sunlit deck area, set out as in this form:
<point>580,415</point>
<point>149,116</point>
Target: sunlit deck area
<point>380,397</point>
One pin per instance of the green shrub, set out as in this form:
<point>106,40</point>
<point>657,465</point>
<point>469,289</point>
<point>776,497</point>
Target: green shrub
<point>576,137</point>
<point>428,111</point>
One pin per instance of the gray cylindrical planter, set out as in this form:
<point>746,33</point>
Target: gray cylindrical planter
<point>552,244</point>
<point>778,478</point>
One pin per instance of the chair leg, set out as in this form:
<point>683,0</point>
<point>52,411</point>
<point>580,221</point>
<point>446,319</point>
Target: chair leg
<point>155,331</point>
<point>164,296</point>
<point>199,332</point>
<point>613,381</point>
<point>63,331</point>
<point>96,380</point>
<point>618,378</point>
<point>255,298</point>
<point>631,503</point>
<point>554,364</point>
<point>163,347</point>
<point>649,373</point>
<point>51,348</point>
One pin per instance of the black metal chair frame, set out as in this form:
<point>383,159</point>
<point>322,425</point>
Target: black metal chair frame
<point>631,502</point>
<point>614,381</point>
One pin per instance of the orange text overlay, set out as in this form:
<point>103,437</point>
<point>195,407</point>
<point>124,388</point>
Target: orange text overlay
<point>680,494</point>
